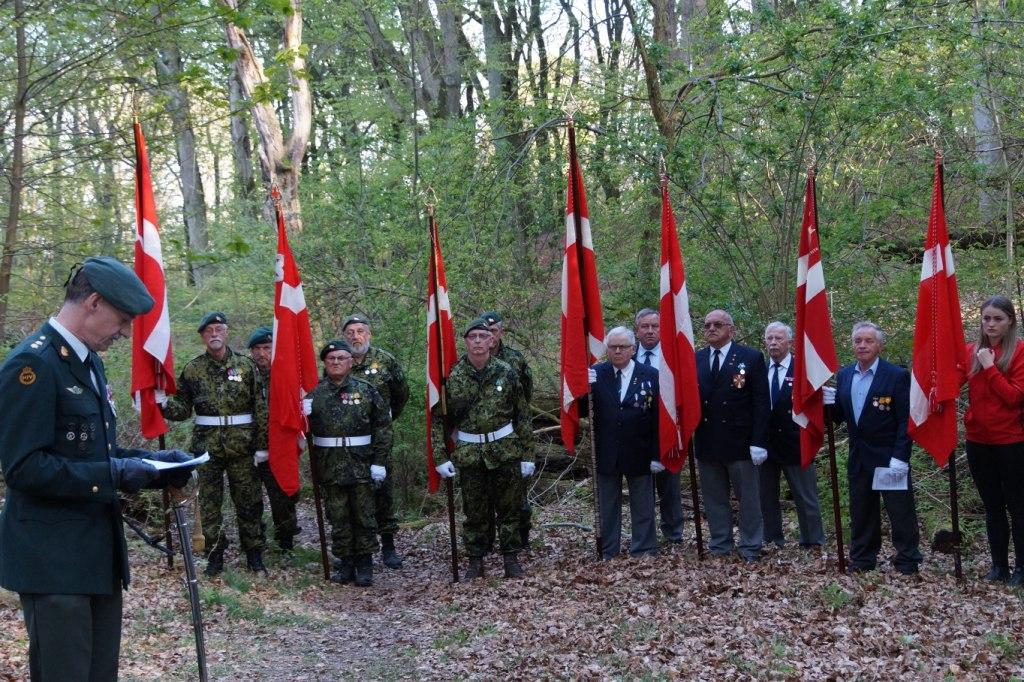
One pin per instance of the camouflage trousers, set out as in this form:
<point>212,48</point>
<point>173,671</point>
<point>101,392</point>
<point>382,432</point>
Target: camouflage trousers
<point>245,494</point>
<point>350,512</point>
<point>525,518</point>
<point>282,507</point>
<point>384,503</point>
<point>491,494</point>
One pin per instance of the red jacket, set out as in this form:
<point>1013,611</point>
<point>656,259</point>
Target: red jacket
<point>996,412</point>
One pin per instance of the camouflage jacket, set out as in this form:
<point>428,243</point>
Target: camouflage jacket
<point>482,401</point>
<point>352,408</point>
<point>518,362</point>
<point>382,370</point>
<point>221,387</point>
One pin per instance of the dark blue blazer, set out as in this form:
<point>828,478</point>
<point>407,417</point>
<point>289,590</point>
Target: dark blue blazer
<point>783,433</point>
<point>734,407</point>
<point>626,432</point>
<point>881,433</point>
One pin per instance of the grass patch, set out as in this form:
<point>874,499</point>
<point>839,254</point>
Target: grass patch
<point>1001,644</point>
<point>456,637</point>
<point>835,597</point>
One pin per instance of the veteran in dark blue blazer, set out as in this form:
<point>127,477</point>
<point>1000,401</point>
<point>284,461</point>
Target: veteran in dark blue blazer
<point>625,400</point>
<point>873,397</point>
<point>732,438</point>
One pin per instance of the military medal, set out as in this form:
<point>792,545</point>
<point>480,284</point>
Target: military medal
<point>356,398</point>
<point>739,380</point>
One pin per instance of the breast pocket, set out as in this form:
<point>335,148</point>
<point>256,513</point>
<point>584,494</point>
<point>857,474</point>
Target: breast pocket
<point>78,425</point>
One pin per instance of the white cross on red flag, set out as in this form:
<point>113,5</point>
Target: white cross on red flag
<point>679,413</point>
<point>441,350</point>
<point>582,323</point>
<point>152,355</point>
<point>940,353</point>
<point>293,371</point>
<point>814,359</point>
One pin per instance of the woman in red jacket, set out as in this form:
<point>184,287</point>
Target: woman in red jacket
<point>995,433</point>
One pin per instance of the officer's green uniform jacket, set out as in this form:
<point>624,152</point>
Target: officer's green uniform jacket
<point>352,408</point>
<point>231,386</point>
<point>518,362</point>
<point>382,370</point>
<point>60,530</point>
<point>483,401</point>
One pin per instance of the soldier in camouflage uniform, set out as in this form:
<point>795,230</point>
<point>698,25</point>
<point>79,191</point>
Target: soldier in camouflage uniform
<point>225,390</point>
<point>282,506</point>
<point>488,415</point>
<point>351,431</point>
<point>517,361</point>
<point>379,368</point>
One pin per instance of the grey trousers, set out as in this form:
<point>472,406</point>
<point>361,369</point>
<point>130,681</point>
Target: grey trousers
<point>73,637</point>
<point>716,478</point>
<point>804,485</point>
<point>670,504</point>
<point>641,515</point>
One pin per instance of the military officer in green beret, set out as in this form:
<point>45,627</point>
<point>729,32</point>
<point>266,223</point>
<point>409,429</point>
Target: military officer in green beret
<point>351,432</point>
<point>225,391</point>
<point>489,422</point>
<point>282,506</point>
<point>62,546</point>
<point>517,361</point>
<point>381,369</point>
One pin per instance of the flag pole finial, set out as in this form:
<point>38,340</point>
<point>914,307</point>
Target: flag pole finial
<point>813,165</point>
<point>275,195</point>
<point>570,107</point>
<point>662,170</point>
<point>431,200</point>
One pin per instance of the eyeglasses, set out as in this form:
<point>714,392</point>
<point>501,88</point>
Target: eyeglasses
<point>619,349</point>
<point>714,325</point>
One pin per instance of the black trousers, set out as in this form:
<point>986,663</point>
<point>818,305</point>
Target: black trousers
<point>998,471</point>
<point>73,637</point>
<point>866,523</point>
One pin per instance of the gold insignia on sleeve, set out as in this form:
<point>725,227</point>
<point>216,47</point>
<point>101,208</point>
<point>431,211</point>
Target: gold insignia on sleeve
<point>27,377</point>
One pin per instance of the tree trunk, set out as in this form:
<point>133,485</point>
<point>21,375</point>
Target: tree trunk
<point>17,169</point>
<point>241,144</point>
<point>451,75</point>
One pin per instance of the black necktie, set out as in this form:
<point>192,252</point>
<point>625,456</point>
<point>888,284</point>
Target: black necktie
<point>775,384</point>
<point>618,383</point>
<point>647,357</point>
<point>715,364</point>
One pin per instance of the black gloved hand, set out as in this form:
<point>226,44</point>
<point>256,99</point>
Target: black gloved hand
<point>131,474</point>
<point>176,478</point>
<point>169,456</point>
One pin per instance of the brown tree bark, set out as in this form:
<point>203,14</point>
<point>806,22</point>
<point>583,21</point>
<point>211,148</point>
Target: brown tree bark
<point>17,169</point>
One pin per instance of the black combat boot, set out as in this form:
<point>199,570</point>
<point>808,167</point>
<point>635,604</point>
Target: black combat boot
<point>391,558</point>
<point>214,562</point>
<point>254,560</point>
<point>364,570</point>
<point>476,568</point>
<point>512,567</point>
<point>344,571</point>
<point>287,543</point>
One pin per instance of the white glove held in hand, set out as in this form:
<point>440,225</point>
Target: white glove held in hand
<point>260,457</point>
<point>527,469</point>
<point>758,455</point>
<point>657,467</point>
<point>898,466</point>
<point>378,473</point>
<point>307,406</point>
<point>828,395</point>
<point>446,470</point>
<point>592,375</point>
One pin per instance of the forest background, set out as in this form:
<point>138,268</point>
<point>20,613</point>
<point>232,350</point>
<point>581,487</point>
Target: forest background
<point>363,111</point>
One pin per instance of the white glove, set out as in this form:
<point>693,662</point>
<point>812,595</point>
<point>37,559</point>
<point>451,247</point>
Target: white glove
<point>446,470</point>
<point>657,467</point>
<point>828,395</point>
<point>260,456</point>
<point>378,473</point>
<point>758,455</point>
<point>592,375</point>
<point>307,406</point>
<point>898,466</point>
<point>527,469</point>
<point>161,398</point>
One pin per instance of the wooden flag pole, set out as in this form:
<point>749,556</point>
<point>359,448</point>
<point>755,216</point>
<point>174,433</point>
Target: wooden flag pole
<point>318,502</point>
<point>167,512</point>
<point>695,495</point>
<point>954,508</point>
<point>834,479</point>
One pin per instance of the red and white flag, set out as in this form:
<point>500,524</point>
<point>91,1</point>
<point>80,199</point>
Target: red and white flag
<point>679,413</point>
<point>293,371</point>
<point>152,355</point>
<point>940,353</point>
<point>814,359</point>
<point>441,350</point>
<point>582,324</point>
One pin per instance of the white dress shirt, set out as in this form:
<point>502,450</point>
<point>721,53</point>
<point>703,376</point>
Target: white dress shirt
<point>81,350</point>
<point>783,369</point>
<point>627,376</point>
<point>655,352</point>
<point>723,353</point>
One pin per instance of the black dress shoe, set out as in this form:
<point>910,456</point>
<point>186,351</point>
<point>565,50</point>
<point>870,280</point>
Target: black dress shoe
<point>1017,578</point>
<point>906,570</point>
<point>998,574</point>
<point>859,569</point>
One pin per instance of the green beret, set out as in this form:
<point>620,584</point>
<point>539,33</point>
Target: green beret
<point>118,285</point>
<point>212,318</point>
<point>478,323</point>
<point>260,335</point>
<point>354,319</point>
<point>492,317</point>
<point>336,344</point>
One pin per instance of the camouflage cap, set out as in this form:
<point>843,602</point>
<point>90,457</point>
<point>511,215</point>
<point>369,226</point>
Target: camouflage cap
<point>117,284</point>
<point>212,318</point>
<point>336,344</point>
<point>260,335</point>
<point>355,319</point>
<point>478,323</point>
<point>492,317</point>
